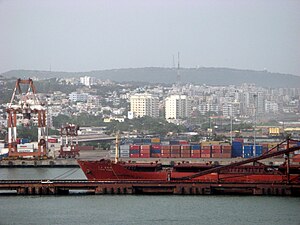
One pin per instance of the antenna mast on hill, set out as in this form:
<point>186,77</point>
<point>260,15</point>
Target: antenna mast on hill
<point>178,72</point>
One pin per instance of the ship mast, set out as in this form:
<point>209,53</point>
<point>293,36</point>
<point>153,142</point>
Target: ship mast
<point>117,147</point>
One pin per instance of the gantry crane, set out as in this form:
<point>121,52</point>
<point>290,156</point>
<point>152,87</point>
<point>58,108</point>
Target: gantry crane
<point>25,105</point>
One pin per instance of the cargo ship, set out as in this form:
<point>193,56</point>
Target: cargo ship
<point>106,169</point>
<point>246,171</point>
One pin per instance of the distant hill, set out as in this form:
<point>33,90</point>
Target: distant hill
<point>209,76</point>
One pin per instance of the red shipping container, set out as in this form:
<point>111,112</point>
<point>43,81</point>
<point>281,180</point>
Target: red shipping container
<point>52,140</point>
<point>145,151</point>
<point>175,155</point>
<point>226,155</point>
<point>205,155</point>
<point>134,155</point>
<point>143,155</point>
<point>165,147</point>
<point>134,147</point>
<point>155,155</point>
<point>226,147</point>
<point>205,147</point>
<point>216,155</point>
<point>216,147</point>
<point>183,142</point>
<point>177,147</point>
<point>185,155</point>
<point>145,147</point>
<point>205,151</point>
<point>165,155</point>
<point>156,147</point>
<point>216,151</point>
<point>196,155</point>
<point>165,151</point>
<point>175,151</point>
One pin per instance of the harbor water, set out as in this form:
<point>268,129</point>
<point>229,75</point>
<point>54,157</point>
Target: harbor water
<point>80,209</point>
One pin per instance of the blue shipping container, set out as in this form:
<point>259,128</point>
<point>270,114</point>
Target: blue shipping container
<point>195,147</point>
<point>134,151</point>
<point>155,151</point>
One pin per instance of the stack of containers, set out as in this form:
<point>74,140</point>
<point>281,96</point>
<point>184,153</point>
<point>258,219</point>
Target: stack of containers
<point>124,151</point>
<point>258,150</point>
<point>165,151</point>
<point>185,151</point>
<point>195,151</point>
<point>155,151</point>
<point>237,149</point>
<point>205,150</point>
<point>175,151</point>
<point>247,151</point>
<point>226,151</point>
<point>134,151</point>
<point>145,151</point>
<point>216,151</point>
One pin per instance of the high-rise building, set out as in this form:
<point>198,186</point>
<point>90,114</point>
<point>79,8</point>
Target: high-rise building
<point>177,107</point>
<point>144,105</point>
<point>87,81</point>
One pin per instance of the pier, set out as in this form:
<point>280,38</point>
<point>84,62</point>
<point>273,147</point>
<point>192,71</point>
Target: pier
<point>65,187</point>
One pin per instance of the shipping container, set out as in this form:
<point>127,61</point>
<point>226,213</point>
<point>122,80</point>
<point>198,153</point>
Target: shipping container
<point>147,141</point>
<point>145,151</point>
<point>134,147</point>
<point>174,142</point>
<point>196,155</point>
<point>205,155</point>
<point>52,140</point>
<point>24,141</point>
<point>134,151</point>
<point>155,151</point>
<point>183,142</point>
<point>155,147</point>
<point>124,151</point>
<point>134,155</point>
<point>165,147</point>
<point>165,155</point>
<point>195,147</point>
<point>155,155</point>
<point>137,141</point>
<point>144,155</point>
<point>163,151</point>
<point>237,149</point>
<point>155,140</point>
<point>205,151</point>
<point>174,155</point>
<point>145,147</point>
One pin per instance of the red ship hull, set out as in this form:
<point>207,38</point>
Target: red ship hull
<point>107,170</point>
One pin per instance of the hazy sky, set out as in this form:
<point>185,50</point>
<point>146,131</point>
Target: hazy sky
<point>89,35</point>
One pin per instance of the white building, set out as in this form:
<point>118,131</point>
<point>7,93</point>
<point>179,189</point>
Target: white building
<point>87,81</point>
<point>78,97</point>
<point>144,105</point>
<point>177,106</point>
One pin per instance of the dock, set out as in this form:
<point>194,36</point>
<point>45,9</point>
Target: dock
<point>65,187</point>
